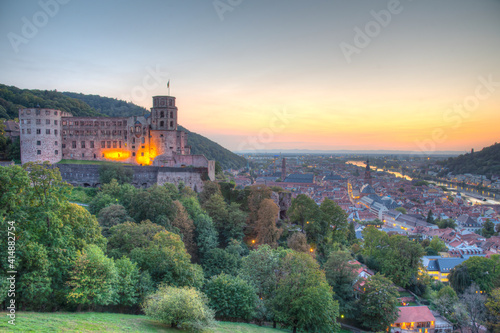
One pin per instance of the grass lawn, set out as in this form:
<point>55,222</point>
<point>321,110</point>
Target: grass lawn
<point>106,322</point>
<point>91,162</point>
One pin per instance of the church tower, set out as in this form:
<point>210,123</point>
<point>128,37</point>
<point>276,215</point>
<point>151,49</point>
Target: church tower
<point>368,175</point>
<point>283,169</point>
<point>164,113</point>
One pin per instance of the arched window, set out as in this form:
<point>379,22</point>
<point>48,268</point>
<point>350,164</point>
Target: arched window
<point>162,123</point>
<point>171,114</point>
<point>171,124</point>
<point>162,114</point>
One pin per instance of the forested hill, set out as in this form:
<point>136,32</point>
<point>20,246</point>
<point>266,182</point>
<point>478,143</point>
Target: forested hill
<point>13,98</point>
<point>201,145</point>
<point>111,107</point>
<point>484,162</point>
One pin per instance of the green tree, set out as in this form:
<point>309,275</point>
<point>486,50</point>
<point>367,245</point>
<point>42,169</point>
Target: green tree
<point>235,223</point>
<point>166,259</point>
<point>488,229</point>
<point>493,307</point>
<point>342,273</point>
<point>437,245</point>
<point>219,261</point>
<point>34,285</point>
<point>129,235</point>
<point>112,215</point>
<point>101,201</point>
<point>216,208</point>
<point>122,174</point>
<point>37,203</point>
<point>180,307</point>
<point>260,269</point>
<point>185,225</point>
<point>351,233</point>
<point>336,220</point>
<point>302,210</point>
<point>379,304</point>
<point>430,217</point>
<point>206,236</point>
<point>154,204</point>
<point>231,297</point>
<point>484,272</point>
<point>402,210</point>
<point>92,278</point>
<point>447,223</point>
<point>394,256</point>
<point>459,278</point>
<point>304,300</point>
<point>209,189</point>
<point>127,282</point>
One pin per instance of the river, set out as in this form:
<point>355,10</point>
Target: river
<point>395,173</point>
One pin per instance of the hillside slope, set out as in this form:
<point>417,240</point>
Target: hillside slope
<point>201,145</point>
<point>484,162</point>
<point>13,98</point>
<point>109,106</point>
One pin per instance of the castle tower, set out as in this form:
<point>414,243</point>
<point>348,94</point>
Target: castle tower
<point>368,175</point>
<point>283,169</point>
<point>40,134</point>
<point>164,113</point>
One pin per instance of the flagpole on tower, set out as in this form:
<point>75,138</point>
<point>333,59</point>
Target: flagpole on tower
<point>168,86</point>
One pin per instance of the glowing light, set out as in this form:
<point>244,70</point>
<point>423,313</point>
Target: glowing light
<point>117,155</point>
<point>147,155</point>
<point>311,249</point>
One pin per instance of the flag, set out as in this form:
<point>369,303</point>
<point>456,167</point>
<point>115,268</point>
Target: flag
<point>168,84</point>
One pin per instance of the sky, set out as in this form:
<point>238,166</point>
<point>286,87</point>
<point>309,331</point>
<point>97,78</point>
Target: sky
<point>421,75</point>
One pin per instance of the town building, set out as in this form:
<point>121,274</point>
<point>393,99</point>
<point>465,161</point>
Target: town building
<point>414,319</point>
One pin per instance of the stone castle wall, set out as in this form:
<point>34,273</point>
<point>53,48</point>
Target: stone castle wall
<point>144,176</point>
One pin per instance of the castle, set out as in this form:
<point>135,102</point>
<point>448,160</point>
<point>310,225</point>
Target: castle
<point>152,140</point>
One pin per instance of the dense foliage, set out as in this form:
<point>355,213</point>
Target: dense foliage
<point>160,247</point>
<point>12,99</point>
<point>111,107</point>
<point>484,162</point>
<point>231,297</point>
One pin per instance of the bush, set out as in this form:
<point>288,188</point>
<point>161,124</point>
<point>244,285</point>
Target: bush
<point>180,307</point>
<point>231,297</point>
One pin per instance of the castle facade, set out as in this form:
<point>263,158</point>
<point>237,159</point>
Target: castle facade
<point>52,135</point>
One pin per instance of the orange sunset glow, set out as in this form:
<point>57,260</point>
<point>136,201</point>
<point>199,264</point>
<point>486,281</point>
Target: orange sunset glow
<point>117,155</point>
<point>286,75</point>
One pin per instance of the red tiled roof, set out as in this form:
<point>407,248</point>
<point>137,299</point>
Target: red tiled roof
<point>413,314</point>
